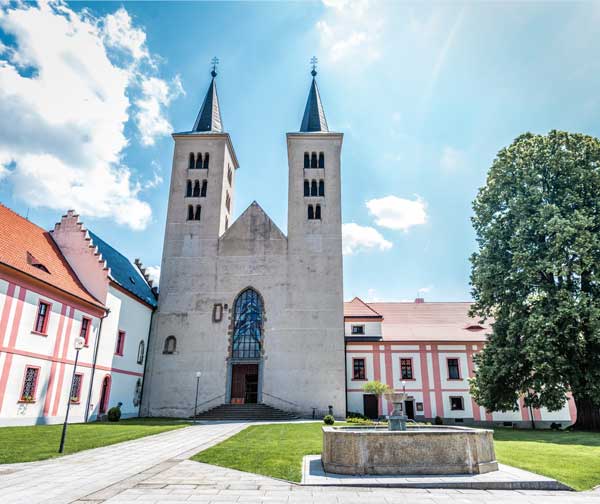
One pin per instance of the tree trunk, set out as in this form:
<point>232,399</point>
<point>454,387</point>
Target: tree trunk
<point>588,415</point>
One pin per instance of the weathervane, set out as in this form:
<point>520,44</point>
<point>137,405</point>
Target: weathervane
<point>214,62</point>
<point>313,62</point>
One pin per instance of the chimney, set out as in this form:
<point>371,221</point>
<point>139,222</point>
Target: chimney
<point>419,300</point>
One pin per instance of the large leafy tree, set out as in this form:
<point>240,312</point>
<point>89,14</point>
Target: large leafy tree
<point>537,275</point>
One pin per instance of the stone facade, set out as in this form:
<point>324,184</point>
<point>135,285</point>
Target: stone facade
<point>207,263</point>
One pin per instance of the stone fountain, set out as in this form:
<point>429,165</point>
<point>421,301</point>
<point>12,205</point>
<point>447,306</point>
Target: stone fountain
<point>402,450</point>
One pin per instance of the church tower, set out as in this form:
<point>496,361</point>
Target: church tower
<point>315,246</point>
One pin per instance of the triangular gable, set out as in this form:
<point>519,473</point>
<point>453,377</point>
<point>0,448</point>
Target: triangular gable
<point>358,308</point>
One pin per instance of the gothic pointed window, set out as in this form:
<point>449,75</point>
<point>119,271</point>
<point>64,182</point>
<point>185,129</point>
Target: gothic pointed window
<point>247,325</point>
<point>203,191</point>
<point>313,188</point>
<point>206,161</point>
<point>188,191</point>
<point>306,188</point>
<point>198,212</point>
<point>199,160</point>
<point>321,188</point>
<point>311,212</point>
<point>306,160</point>
<point>321,160</point>
<point>191,163</point>
<point>318,212</point>
<point>196,189</point>
<point>228,202</point>
<point>190,212</point>
<point>313,160</point>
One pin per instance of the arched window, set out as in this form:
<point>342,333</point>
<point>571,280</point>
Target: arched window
<point>313,160</point>
<point>188,191</point>
<point>198,160</point>
<point>321,160</point>
<point>191,164</point>
<point>226,223</point>
<point>313,188</point>
<point>318,212</point>
<point>140,357</point>
<point>306,188</point>
<point>196,189</point>
<point>170,345</point>
<point>247,325</point>
<point>228,202</point>
<point>229,175</point>
<point>306,160</point>
<point>203,191</point>
<point>206,161</point>
<point>311,212</point>
<point>321,187</point>
<point>190,212</point>
<point>198,212</point>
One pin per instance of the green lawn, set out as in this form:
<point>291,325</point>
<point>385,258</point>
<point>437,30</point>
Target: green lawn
<point>277,450</point>
<point>39,442</point>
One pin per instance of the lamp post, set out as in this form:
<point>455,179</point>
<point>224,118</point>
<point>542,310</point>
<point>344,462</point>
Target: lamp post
<point>198,375</point>
<point>78,344</point>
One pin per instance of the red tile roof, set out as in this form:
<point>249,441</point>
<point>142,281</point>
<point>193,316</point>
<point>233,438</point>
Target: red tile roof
<point>358,308</point>
<point>23,244</point>
<point>406,321</point>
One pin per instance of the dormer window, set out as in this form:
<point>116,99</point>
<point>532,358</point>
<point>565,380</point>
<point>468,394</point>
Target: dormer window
<point>35,263</point>
<point>358,329</point>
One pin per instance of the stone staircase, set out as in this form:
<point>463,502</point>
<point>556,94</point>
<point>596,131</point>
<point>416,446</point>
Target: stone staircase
<point>245,412</point>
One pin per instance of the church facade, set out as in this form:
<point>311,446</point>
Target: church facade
<point>259,314</point>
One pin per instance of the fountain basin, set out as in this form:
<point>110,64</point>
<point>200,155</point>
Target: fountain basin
<point>418,450</point>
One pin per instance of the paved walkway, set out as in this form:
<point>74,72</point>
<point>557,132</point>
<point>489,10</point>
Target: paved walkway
<point>154,470</point>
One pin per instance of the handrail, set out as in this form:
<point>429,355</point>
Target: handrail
<point>210,400</point>
<point>281,399</point>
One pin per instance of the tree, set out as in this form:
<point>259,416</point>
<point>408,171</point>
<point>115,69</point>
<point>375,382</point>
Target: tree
<point>376,388</point>
<point>537,275</point>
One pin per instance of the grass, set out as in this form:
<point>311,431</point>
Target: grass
<point>39,442</point>
<point>276,450</point>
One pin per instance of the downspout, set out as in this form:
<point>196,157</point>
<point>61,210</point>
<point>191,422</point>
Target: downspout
<point>96,346</point>
<point>146,357</point>
<point>345,375</point>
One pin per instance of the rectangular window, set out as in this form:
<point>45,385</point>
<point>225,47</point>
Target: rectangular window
<point>120,343</point>
<point>30,383</point>
<point>85,330</point>
<point>41,320</point>
<point>406,369</point>
<point>358,369</point>
<point>76,388</point>
<point>456,404</point>
<point>453,369</point>
<point>358,329</point>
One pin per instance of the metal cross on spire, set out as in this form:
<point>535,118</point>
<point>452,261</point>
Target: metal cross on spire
<point>313,62</point>
<point>214,62</point>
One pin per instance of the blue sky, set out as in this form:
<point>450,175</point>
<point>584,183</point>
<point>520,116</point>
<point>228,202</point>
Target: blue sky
<point>425,95</point>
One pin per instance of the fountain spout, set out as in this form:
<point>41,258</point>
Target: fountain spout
<point>397,419</point>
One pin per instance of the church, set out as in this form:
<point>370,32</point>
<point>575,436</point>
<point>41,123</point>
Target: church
<point>259,314</point>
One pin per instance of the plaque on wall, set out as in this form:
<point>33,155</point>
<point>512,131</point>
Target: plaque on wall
<point>217,315</point>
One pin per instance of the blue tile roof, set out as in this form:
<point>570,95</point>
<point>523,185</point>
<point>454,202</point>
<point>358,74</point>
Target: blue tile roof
<point>123,272</point>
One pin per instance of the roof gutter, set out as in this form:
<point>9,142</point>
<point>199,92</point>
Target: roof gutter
<point>96,346</point>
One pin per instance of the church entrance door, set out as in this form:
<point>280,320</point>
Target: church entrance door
<point>244,384</point>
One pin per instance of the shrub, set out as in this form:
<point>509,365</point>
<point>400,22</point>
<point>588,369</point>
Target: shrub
<point>438,421</point>
<point>359,421</point>
<point>328,420</point>
<point>114,414</point>
<point>355,414</point>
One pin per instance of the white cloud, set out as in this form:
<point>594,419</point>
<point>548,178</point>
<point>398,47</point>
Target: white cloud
<point>350,30</point>
<point>424,290</point>
<point>398,213</point>
<point>65,83</point>
<point>356,238</point>
<point>452,159</point>
<point>154,273</point>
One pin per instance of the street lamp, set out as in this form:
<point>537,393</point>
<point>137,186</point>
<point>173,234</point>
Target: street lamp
<point>78,344</point>
<point>403,387</point>
<point>198,375</point>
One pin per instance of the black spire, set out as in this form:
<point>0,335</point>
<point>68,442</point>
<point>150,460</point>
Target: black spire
<point>314,116</point>
<point>209,117</point>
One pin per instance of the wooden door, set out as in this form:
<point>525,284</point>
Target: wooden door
<point>371,406</point>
